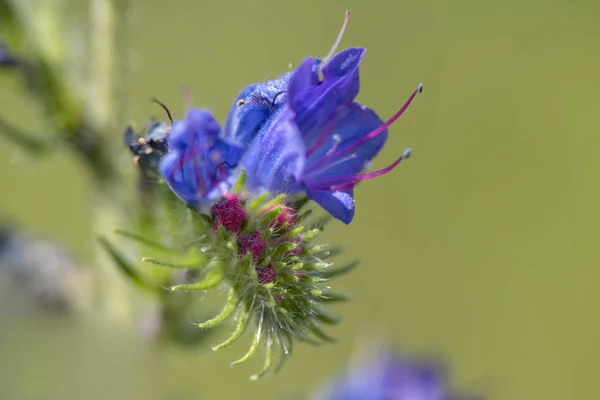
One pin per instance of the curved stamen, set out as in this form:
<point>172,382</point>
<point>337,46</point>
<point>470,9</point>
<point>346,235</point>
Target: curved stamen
<point>348,182</point>
<point>336,43</point>
<point>354,145</point>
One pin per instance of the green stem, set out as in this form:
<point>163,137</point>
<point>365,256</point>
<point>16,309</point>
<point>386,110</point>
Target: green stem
<point>32,144</point>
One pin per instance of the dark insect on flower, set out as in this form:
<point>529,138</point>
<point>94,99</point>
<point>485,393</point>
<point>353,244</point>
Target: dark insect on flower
<point>391,376</point>
<point>149,149</point>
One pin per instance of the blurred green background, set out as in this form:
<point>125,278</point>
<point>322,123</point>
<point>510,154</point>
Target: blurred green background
<point>482,246</point>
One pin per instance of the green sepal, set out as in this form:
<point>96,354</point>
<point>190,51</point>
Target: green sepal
<point>213,277</point>
<point>242,324</point>
<point>232,302</point>
<point>329,273</point>
<point>240,183</point>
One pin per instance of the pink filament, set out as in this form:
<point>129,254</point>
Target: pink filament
<point>348,182</point>
<point>352,146</point>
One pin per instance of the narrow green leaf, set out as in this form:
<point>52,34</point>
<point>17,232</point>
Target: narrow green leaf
<point>171,265</point>
<point>232,302</point>
<point>333,298</point>
<point>278,200</point>
<point>241,182</point>
<point>240,328</point>
<point>322,335</point>
<point>327,319</point>
<point>287,347</point>
<point>255,342</point>
<point>270,215</point>
<point>333,272</point>
<point>143,240</point>
<point>258,201</point>
<point>125,266</point>
<point>213,277</point>
<point>268,359</point>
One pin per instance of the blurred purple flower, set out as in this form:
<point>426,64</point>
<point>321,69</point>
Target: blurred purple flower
<point>7,59</point>
<point>390,377</point>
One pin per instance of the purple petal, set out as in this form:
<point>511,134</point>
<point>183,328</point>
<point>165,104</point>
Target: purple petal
<point>329,159</point>
<point>304,78</point>
<point>275,159</point>
<point>253,106</point>
<point>340,204</point>
<point>199,161</point>
<point>317,105</point>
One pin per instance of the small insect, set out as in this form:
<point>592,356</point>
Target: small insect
<point>149,149</point>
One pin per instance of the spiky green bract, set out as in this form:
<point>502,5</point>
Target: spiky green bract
<point>271,268</point>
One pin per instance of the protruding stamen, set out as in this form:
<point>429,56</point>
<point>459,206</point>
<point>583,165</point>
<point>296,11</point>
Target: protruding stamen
<point>352,146</point>
<point>348,182</point>
<point>317,167</point>
<point>337,41</point>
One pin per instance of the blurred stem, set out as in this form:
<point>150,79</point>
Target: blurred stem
<point>32,144</point>
<point>102,68</point>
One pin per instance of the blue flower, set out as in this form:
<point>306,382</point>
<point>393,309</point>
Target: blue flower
<point>390,376</point>
<point>321,140</point>
<point>199,160</point>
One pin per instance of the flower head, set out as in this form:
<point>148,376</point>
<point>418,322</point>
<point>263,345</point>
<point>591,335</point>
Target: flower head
<point>391,376</point>
<point>321,139</point>
<point>199,159</point>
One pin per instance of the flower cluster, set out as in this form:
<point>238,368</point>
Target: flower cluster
<point>300,137</point>
<point>301,133</point>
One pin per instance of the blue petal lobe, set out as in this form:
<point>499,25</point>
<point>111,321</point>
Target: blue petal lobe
<point>340,204</point>
<point>355,121</point>
<point>318,105</point>
<point>275,159</point>
<point>245,120</point>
